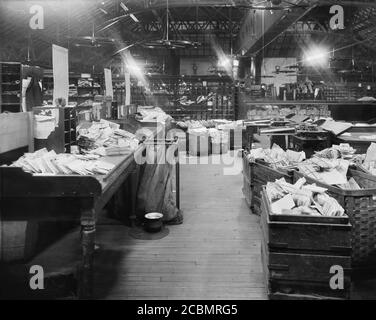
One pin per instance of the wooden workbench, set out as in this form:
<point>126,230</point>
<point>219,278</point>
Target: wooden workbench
<point>66,198</point>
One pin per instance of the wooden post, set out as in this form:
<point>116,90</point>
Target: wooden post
<point>86,278</point>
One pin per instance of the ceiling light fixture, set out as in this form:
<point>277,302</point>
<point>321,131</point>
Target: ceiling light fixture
<point>134,18</point>
<point>125,8</point>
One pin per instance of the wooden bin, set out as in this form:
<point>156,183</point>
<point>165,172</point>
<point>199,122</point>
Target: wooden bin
<point>298,252</point>
<point>360,206</point>
<point>261,173</point>
<point>247,189</point>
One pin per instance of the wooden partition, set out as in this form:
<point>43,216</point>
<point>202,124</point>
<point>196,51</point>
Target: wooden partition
<point>16,131</point>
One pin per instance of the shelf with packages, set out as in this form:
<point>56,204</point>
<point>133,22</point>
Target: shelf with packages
<point>334,96</point>
<point>80,89</point>
<point>257,110</point>
<point>10,86</point>
<point>215,94</point>
<point>308,91</point>
<point>70,124</point>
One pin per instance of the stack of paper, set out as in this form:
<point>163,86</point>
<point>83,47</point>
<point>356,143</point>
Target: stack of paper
<point>49,163</point>
<point>105,134</point>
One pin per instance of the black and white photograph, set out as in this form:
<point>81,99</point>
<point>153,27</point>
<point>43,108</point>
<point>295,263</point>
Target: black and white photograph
<point>188,157</point>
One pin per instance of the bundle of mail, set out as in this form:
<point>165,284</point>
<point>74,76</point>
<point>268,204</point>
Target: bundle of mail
<point>329,171</point>
<point>196,124</point>
<point>106,138</point>
<point>277,157</point>
<point>221,124</point>
<point>301,199</point>
<point>343,150</point>
<point>152,114</point>
<point>185,101</point>
<point>43,162</point>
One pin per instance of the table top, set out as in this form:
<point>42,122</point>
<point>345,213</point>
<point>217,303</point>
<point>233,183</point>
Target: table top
<point>358,137</point>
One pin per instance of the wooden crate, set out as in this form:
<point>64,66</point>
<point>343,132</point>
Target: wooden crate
<point>261,174</point>
<point>298,252</point>
<point>292,276</point>
<point>360,206</point>
<point>314,234</point>
<point>247,191</point>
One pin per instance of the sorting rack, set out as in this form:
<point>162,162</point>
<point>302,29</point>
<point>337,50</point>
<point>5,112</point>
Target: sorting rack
<point>10,86</point>
<point>77,93</point>
<point>166,92</point>
<point>70,132</point>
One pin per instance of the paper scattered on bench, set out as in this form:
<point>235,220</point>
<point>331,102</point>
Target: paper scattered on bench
<point>43,162</point>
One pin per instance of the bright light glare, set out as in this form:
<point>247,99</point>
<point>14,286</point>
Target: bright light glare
<point>224,62</point>
<point>316,56</point>
<point>133,67</point>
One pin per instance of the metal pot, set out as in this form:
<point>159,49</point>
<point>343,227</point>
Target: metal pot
<point>153,222</point>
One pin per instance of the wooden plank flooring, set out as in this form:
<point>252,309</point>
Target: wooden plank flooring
<point>214,254</point>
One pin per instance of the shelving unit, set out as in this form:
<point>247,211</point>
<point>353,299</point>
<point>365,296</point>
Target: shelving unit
<point>360,110</point>
<point>10,87</point>
<point>70,122</point>
<point>87,88</point>
<point>119,90</point>
<point>192,97</point>
<point>77,91</point>
<point>137,92</point>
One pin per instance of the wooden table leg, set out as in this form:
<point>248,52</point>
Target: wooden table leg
<point>86,279</point>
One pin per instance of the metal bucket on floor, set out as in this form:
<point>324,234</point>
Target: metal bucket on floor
<point>153,222</point>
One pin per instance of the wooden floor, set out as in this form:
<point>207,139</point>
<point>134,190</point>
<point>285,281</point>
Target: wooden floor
<point>214,254</point>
